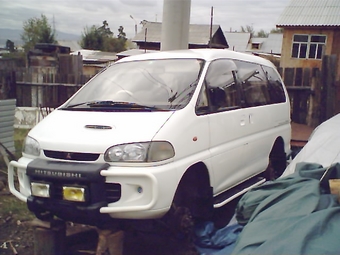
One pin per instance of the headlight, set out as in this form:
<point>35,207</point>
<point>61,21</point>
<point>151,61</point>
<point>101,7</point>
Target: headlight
<point>76,194</point>
<point>40,189</point>
<point>31,146</point>
<point>140,152</point>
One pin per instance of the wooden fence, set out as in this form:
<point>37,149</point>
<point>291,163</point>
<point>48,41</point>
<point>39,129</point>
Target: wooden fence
<point>52,90</point>
<point>44,83</point>
<point>312,92</point>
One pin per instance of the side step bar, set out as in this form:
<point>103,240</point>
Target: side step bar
<point>237,191</point>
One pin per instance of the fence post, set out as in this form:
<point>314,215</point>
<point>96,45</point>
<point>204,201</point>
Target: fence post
<point>328,73</point>
<point>314,99</point>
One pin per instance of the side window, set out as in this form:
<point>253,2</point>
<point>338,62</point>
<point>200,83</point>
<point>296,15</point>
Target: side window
<point>275,86</point>
<point>253,84</point>
<point>221,87</point>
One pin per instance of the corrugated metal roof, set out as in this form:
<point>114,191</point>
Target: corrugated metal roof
<point>96,55</point>
<point>74,45</point>
<point>273,44</point>
<point>7,110</point>
<point>311,13</point>
<point>237,41</point>
<point>198,34</point>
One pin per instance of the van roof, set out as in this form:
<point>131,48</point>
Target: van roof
<point>206,54</point>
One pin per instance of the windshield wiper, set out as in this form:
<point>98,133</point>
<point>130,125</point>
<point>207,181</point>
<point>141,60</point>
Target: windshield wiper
<point>125,105</point>
<point>108,104</point>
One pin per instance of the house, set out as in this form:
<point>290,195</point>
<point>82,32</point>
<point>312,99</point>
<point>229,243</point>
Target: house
<point>199,36</point>
<point>95,60</point>
<point>269,45</point>
<point>310,49</point>
<point>238,41</point>
<point>73,45</point>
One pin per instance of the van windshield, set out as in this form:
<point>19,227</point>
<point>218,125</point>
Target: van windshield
<point>161,84</point>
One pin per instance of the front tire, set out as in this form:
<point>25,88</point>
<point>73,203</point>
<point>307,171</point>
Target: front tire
<point>277,163</point>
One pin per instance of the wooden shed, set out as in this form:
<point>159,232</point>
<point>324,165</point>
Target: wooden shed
<point>310,58</point>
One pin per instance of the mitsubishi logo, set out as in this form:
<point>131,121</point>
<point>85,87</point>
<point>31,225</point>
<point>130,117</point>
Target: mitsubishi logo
<point>68,155</point>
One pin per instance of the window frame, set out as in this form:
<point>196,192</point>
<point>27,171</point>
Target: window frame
<point>308,49</point>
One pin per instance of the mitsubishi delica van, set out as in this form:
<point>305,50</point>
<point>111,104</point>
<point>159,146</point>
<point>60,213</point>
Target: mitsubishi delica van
<point>188,129</point>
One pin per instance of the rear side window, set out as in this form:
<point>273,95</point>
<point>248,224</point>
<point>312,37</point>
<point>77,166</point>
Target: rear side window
<point>275,86</point>
<point>233,84</point>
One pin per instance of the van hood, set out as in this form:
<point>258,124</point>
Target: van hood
<point>94,132</point>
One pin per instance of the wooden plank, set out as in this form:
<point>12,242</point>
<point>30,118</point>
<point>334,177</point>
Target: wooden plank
<point>298,77</point>
<point>289,76</point>
<point>306,77</point>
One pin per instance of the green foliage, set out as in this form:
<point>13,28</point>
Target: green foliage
<point>277,30</point>
<point>37,30</point>
<point>262,33</point>
<point>102,38</point>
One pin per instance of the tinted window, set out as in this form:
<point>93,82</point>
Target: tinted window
<point>222,91</point>
<point>253,83</point>
<point>275,86</point>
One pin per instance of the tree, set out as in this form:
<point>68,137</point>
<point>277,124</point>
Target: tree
<point>92,39</point>
<point>248,29</point>
<point>37,30</point>
<point>262,33</point>
<point>102,38</point>
<point>277,30</point>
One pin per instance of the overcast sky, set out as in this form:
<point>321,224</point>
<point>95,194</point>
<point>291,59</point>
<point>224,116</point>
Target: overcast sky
<point>72,16</point>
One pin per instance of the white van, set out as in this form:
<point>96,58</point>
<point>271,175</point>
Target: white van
<point>190,128</point>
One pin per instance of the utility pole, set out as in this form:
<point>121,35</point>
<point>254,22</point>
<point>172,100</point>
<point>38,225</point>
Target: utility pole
<point>175,24</point>
<point>135,24</point>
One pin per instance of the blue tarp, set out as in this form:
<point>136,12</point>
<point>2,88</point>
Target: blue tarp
<point>295,214</point>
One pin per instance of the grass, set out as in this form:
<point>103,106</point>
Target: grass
<point>15,208</point>
<point>19,136</point>
<point>9,205</point>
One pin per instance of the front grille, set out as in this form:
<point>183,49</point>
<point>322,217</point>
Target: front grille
<point>76,156</point>
<point>113,192</point>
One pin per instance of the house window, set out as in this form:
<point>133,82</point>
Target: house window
<point>308,46</point>
<point>255,46</point>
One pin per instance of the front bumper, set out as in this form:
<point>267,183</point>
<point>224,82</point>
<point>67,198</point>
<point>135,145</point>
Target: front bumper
<point>110,193</point>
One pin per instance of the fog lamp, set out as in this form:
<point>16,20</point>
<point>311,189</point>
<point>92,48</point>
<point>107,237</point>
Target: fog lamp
<point>40,189</point>
<point>76,194</point>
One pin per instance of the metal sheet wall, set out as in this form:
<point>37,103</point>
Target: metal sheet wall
<point>7,112</point>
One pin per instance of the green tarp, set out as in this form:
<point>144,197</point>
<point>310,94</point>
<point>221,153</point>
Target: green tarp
<point>295,214</point>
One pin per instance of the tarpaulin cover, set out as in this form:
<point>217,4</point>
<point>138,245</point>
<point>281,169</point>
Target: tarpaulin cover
<point>323,146</point>
<point>295,214</point>
<point>213,241</point>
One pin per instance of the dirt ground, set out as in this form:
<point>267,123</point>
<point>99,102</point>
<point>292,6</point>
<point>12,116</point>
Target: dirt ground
<point>17,233</point>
